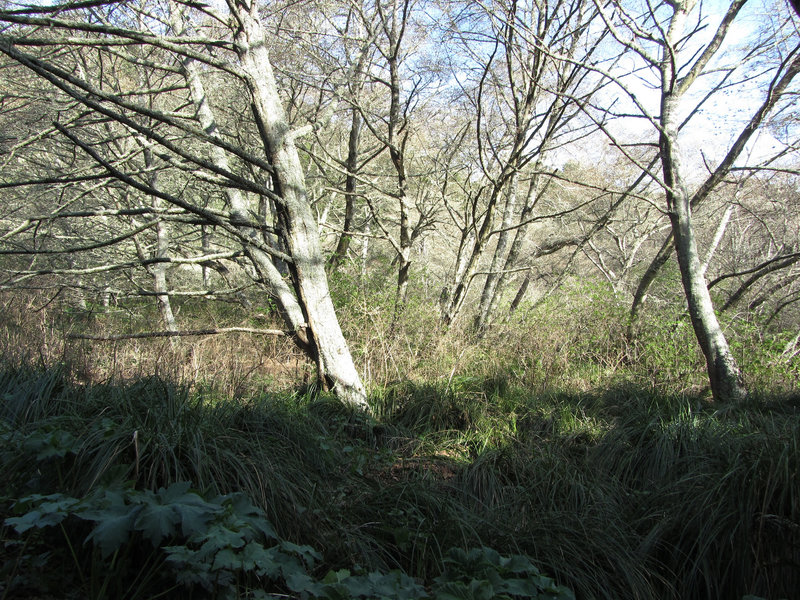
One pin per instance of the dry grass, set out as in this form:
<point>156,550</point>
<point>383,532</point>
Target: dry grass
<point>233,364</point>
<point>573,343</point>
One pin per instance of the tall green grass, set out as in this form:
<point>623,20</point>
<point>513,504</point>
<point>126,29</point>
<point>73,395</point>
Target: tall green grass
<point>555,436</point>
<point>620,494</point>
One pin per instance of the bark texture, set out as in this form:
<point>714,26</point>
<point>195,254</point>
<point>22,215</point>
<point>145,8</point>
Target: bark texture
<point>296,219</point>
<point>723,372</point>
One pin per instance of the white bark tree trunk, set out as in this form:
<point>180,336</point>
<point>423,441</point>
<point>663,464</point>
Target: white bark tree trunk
<point>159,270</point>
<point>160,278</point>
<point>296,219</point>
<point>718,235</point>
<point>239,211</point>
<point>723,372</point>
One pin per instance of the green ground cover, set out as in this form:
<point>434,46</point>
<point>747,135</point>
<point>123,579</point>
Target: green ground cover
<point>470,488</point>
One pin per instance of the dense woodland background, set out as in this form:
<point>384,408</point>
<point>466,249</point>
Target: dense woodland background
<point>297,296</point>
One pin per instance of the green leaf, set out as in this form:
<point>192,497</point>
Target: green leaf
<point>256,558</point>
<point>50,510</point>
<point>189,508</point>
<point>53,444</point>
<point>519,564</point>
<point>336,576</point>
<point>226,559</point>
<point>97,506</point>
<point>189,568</point>
<point>485,555</point>
<point>251,515</point>
<point>156,522</point>
<point>34,518</point>
<point>396,584</point>
<point>360,587</point>
<point>481,590</point>
<point>307,553</point>
<point>113,529</point>
<point>287,564</point>
<point>519,587</point>
<point>175,492</point>
<point>302,582</point>
<point>218,537</point>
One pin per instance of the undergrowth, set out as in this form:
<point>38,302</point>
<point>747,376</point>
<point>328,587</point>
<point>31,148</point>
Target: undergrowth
<point>556,441</point>
<point>149,487</point>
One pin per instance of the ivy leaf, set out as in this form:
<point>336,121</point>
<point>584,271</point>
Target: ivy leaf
<point>519,587</point>
<point>271,562</point>
<point>255,557</point>
<point>180,555</point>
<point>357,586</point>
<point>396,585</point>
<point>35,518</point>
<point>114,516</point>
<point>195,516</point>
<point>156,522</point>
<point>486,555</point>
<point>307,553</point>
<point>97,506</point>
<point>54,444</point>
<point>481,590</point>
<point>219,537</point>
<point>175,492</point>
<point>188,570</point>
<point>301,582</point>
<point>165,510</point>
<point>287,564</point>
<point>336,576</point>
<point>191,510</point>
<point>250,515</point>
<point>518,564</point>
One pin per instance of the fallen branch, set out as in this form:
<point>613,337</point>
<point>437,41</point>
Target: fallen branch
<point>158,334</point>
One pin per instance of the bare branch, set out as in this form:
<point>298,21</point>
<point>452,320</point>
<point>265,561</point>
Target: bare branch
<point>161,334</point>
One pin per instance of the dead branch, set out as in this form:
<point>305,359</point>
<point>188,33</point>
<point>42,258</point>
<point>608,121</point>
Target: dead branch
<point>160,334</point>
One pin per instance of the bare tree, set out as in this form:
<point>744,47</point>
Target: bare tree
<point>687,69</point>
<point>233,46</point>
<point>525,106</point>
<point>398,91</point>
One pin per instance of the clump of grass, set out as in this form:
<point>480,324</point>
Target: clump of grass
<point>153,433</point>
<point>624,493</point>
<point>709,486</point>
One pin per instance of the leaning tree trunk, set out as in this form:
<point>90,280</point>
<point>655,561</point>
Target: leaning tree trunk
<point>499,259</point>
<point>723,372</point>
<point>271,277</point>
<point>334,361</point>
